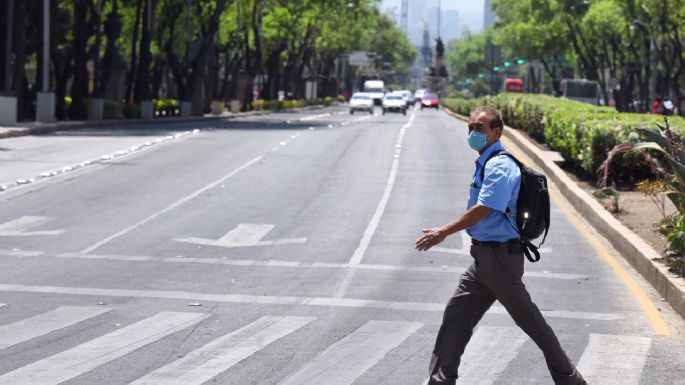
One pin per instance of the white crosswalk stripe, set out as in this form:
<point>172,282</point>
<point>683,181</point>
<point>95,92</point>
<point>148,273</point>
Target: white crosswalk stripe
<point>219,355</point>
<point>41,324</point>
<point>87,356</point>
<point>343,362</point>
<point>606,360</point>
<point>488,353</point>
<point>614,360</point>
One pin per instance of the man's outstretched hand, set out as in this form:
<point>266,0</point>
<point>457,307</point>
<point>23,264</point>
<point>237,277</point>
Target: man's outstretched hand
<point>430,238</point>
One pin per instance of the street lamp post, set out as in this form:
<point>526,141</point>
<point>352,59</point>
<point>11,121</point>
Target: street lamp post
<point>8,101</point>
<point>186,103</point>
<point>45,100</point>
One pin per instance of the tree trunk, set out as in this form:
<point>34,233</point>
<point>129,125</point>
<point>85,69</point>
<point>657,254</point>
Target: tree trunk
<point>207,40</point>
<point>19,43</point>
<point>142,90</point>
<point>112,31</point>
<point>134,60</point>
<point>79,87</point>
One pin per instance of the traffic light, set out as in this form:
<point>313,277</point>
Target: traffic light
<point>507,64</point>
<point>480,76</point>
<point>496,69</point>
<point>520,61</point>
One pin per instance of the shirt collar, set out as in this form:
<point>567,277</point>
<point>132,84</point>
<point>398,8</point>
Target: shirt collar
<point>494,147</point>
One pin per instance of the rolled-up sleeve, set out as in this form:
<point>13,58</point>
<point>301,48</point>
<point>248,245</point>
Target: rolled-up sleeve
<point>498,184</point>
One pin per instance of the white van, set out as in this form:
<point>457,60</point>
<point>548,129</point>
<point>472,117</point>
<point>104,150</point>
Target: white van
<point>375,89</point>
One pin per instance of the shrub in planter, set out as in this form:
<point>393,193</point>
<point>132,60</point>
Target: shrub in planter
<point>167,107</point>
<point>258,104</point>
<point>328,100</point>
<point>110,109</point>
<point>131,111</point>
<point>341,98</point>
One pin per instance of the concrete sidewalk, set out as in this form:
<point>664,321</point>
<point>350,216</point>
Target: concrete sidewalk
<point>632,248</point>
<point>32,128</point>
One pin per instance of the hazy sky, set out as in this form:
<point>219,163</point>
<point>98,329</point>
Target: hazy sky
<point>470,11</point>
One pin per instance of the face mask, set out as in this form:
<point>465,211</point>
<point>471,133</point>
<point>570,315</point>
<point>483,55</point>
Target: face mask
<point>477,140</point>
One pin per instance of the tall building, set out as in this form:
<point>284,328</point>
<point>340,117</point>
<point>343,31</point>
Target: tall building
<point>490,17</point>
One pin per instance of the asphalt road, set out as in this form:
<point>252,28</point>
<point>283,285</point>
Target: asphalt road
<point>279,250</point>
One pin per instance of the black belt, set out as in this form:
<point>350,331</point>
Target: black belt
<point>513,241</point>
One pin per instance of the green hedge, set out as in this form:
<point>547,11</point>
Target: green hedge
<point>581,132</point>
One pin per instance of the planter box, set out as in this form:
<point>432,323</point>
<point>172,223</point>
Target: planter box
<point>97,109</point>
<point>217,107</point>
<point>8,110</point>
<point>186,109</point>
<point>235,106</point>
<point>147,109</point>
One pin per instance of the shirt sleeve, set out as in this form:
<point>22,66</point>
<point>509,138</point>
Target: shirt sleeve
<point>498,184</point>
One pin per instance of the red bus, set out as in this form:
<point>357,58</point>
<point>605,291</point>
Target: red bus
<point>513,85</point>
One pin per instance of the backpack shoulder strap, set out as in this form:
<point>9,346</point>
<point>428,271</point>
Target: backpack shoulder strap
<point>494,154</point>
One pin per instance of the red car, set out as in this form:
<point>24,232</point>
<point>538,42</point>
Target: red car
<point>430,101</point>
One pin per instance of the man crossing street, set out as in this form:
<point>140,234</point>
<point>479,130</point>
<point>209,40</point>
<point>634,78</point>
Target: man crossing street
<point>498,256</point>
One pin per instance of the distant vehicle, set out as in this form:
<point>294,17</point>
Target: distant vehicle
<point>419,94</point>
<point>586,91</point>
<point>394,102</point>
<point>375,89</point>
<point>513,85</point>
<point>361,102</point>
<point>430,101</point>
<point>409,97</point>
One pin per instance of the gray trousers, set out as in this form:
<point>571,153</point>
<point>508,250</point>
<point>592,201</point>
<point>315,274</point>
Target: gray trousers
<point>495,275</point>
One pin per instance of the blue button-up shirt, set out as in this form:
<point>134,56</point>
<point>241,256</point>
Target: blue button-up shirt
<point>498,191</point>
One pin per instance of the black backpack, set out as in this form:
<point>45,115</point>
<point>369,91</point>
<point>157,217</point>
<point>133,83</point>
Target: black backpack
<point>532,206</point>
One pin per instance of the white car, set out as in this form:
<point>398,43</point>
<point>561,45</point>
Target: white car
<point>361,102</point>
<point>394,103</point>
<point>409,97</point>
<point>419,93</point>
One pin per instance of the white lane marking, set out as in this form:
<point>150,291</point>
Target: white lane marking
<point>210,360</point>
<point>614,360</point>
<point>296,264</point>
<point>375,220</point>
<point>465,243</point>
<point>88,356</point>
<point>18,227</point>
<point>488,353</point>
<point>41,324</point>
<point>314,117</point>
<point>20,253</point>
<point>281,300</point>
<point>466,247</point>
<point>245,235</point>
<point>446,250</point>
<point>343,362</point>
<point>173,205</point>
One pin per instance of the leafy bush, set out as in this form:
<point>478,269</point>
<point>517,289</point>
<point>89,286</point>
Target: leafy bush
<point>166,107</point>
<point>131,111</point>
<point>258,104</point>
<point>328,100</point>
<point>582,133</point>
<point>110,109</point>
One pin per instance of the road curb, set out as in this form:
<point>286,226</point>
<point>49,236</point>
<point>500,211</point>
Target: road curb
<point>631,247</point>
<point>38,128</point>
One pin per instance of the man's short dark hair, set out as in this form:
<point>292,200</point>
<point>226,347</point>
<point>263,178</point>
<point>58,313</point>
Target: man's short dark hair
<point>493,116</point>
